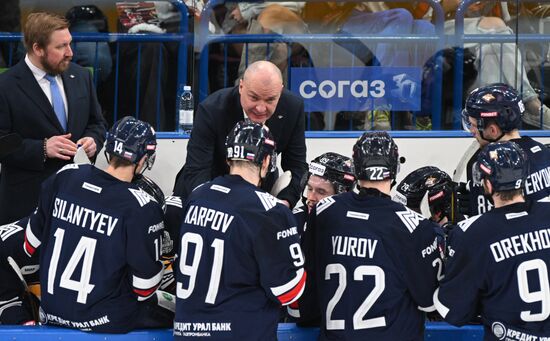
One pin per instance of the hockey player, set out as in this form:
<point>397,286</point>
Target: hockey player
<point>429,185</point>
<point>239,259</point>
<point>100,240</point>
<point>374,259</point>
<point>19,273</point>
<point>500,265</point>
<point>493,113</point>
<point>329,173</point>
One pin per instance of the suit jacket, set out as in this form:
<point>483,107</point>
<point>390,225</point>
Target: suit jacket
<point>217,115</point>
<point>25,109</point>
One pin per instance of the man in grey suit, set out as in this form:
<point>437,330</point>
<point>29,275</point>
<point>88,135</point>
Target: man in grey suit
<point>261,98</point>
<point>52,104</point>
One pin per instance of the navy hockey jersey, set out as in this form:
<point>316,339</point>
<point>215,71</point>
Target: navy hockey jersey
<point>172,222</point>
<point>499,270</point>
<point>239,261</point>
<point>100,244</point>
<point>537,185</point>
<point>13,308</point>
<point>375,263</point>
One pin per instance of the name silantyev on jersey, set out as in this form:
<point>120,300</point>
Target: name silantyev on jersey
<point>537,184</point>
<point>501,262</point>
<point>376,264</point>
<point>11,241</point>
<point>101,242</point>
<point>240,260</point>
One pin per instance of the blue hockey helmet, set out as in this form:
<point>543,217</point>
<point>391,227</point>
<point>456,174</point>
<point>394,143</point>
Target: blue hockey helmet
<point>252,142</point>
<point>131,139</point>
<point>498,102</point>
<point>502,163</point>
<point>412,189</point>
<point>335,168</point>
<point>375,157</point>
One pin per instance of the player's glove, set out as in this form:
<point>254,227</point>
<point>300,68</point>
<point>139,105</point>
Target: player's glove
<point>463,197</point>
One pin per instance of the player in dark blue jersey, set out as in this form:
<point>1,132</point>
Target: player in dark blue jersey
<point>19,274</point>
<point>493,113</point>
<point>239,258</point>
<point>374,261</point>
<point>501,259</point>
<point>100,240</point>
<point>329,173</point>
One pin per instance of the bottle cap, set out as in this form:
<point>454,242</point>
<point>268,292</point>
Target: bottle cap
<point>187,88</point>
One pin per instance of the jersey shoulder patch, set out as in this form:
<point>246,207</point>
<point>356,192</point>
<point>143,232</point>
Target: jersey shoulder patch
<point>67,167</point>
<point>8,230</point>
<point>410,218</point>
<point>172,200</point>
<point>324,204</point>
<point>297,210</point>
<point>142,197</point>
<point>268,201</point>
<point>465,224</point>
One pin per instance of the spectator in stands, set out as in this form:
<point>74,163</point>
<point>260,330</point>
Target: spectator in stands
<point>10,22</point>
<point>259,97</point>
<point>115,245</point>
<point>90,19</point>
<point>496,60</point>
<point>51,103</point>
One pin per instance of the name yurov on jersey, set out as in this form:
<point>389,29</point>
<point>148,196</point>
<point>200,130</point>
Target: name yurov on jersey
<point>207,217</point>
<point>353,246</point>
<point>84,217</point>
<point>537,181</point>
<point>520,244</point>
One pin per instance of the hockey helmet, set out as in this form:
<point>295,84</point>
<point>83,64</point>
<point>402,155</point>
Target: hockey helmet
<point>335,168</point>
<point>499,102</point>
<point>412,189</point>
<point>151,188</point>
<point>252,142</point>
<point>375,157</point>
<point>131,139</point>
<point>504,164</point>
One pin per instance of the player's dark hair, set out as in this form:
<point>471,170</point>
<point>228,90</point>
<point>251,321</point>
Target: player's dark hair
<point>509,195</point>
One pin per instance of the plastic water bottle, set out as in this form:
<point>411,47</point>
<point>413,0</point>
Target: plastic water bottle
<point>185,107</point>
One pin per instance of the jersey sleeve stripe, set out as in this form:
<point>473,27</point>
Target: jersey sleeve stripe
<point>441,308</point>
<point>147,283</point>
<point>278,291</point>
<point>145,294</point>
<point>294,288</point>
<point>31,242</point>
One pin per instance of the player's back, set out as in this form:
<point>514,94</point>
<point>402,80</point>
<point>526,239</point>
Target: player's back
<point>98,230</point>
<point>373,266</point>
<point>510,249</point>
<point>235,267</point>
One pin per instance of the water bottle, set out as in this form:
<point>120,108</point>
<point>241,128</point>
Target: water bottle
<point>185,107</point>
